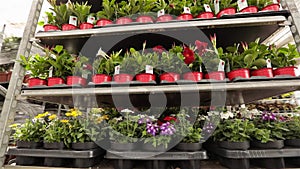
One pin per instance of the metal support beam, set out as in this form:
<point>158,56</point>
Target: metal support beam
<point>14,88</point>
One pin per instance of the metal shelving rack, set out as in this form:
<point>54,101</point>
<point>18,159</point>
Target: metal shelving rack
<point>237,92</point>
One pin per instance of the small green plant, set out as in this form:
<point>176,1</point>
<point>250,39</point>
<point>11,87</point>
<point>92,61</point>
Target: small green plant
<point>37,65</point>
<point>108,11</point>
<point>62,12</point>
<point>127,8</point>
<point>57,131</point>
<point>81,66</point>
<point>260,3</point>
<point>284,56</point>
<point>293,125</point>
<point>82,11</point>
<point>106,64</point>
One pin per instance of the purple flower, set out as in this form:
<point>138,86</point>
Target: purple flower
<point>208,128</point>
<point>152,128</point>
<point>167,129</point>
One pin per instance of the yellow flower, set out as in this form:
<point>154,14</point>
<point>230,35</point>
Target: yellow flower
<point>41,115</point>
<point>100,119</point>
<point>64,121</point>
<point>73,113</point>
<point>14,125</point>
<point>53,116</point>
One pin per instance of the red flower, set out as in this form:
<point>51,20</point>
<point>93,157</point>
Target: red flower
<point>201,46</point>
<point>189,56</point>
<point>170,118</point>
<point>158,49</point>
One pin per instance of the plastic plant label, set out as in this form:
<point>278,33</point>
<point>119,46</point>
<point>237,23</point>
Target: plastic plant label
<point>217,6</point>
<point>275,1</point>
<point>221,65</point>
<point>51,71</point>
<point>160,13</point>
<point>117,70</point>
<point>91,19</point>
<point>242,4</point>
<point>85,75</point>
<point>45,20</point>
<point>73,20</point>
<point>149,69</point>
<point>200,68</point>
<point>207,8</point>
<point>186,10</point>
<point>269,64</point>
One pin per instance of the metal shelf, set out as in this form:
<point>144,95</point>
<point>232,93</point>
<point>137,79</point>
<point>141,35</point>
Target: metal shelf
<point>174,95</point>
<point>242,29</point>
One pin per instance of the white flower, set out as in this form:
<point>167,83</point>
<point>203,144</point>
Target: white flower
<point>226,115</point>
<point>213,113</point>
<point>119,118</point>
<point>127,111</point>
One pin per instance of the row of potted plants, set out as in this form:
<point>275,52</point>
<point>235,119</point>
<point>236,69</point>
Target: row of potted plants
<point>123,130</point>
<point>159,64</point>
<point>75,15</point>
<point>263,130</point>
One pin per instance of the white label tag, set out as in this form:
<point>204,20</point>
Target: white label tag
<point>297,71</point>
<point>73,20</point>
<point>275,1</point>
<point>90,19</point>
<point>269,64</point>
<point>217,6</point>
<point>149,69</point>
<point>53,56</point>
<point>51,71</point>
<point>242,4</point>
<point>221,65</point>
<point>200,68</point>
<point>160,13</point>
<point>207,8</point>
<point>117,70</point>
<point>85,75</point>
<point>186,10</point>
<point>243,106</point>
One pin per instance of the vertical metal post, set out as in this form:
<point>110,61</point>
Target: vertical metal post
<point>2,37</point>
<point>14,88</point>
<point>295,19</point>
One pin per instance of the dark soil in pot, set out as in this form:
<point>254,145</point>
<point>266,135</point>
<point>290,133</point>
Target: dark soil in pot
<point>234,145</point>
<point>188,146</point>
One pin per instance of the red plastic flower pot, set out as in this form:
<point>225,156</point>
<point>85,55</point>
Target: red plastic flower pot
<point>76,80</point>
<point>267,72</point>
<point>164,18</point>
<point>185,16</point>
<point>36,82</point>
<point>49,27</point>
<point>272,7</point>
<point>123,20</point>
<point>145,77</point>
<point>194,76</point>
<point>144,19</point>
<point>86,25</point>
<point>3,77</point>
<point>206,15</point>
<point>100,78</point>
<point>243,73</point>
<point>285,71</point>
<point>123,78</point>
<point>55,81</point>
<point>67,27</point>
<point>220,75</point>
<point>103,22</point>
<point>169,77</point>
<point>226,11</point>
<point>250,9</point>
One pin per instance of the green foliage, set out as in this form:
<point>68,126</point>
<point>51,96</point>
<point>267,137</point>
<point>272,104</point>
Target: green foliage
<point>82,11</point>
<point>263,135</point>
<point>157,140</point>
<point>57,131</point>
<point>108,11</point>
<point>234,130</point>
<point>189,132</point>
<point>62,12</point>
<point>79,66</point>
<point>211,60</point>
<point>293,125</point>
<point>260,3</point>
<point>172,61</point>
<point>106,64</point>
<point>284,56</point>
<point>31,130</point>
<point>127,8</point>
<point>37,65</point>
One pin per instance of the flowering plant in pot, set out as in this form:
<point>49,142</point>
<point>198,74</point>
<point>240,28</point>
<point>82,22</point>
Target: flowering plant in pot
<point>199,10</point>
<point>264,5</point>
<point>124,131</point>
<point>82,11</point>
<point>50,23</point>
<point>234,133</point>
<point>145,8</point>
<point>104,66</point>
<point>293,135</point>
<point>227,7</point>
<point>30,133</point>
<point>38,66</point>
<point>127,70</point>
<point>107,14</point>
<point>125,10</point>
<point>184,10</point>
<point>80,71</point>
<point>283,59</point>
<point>269,131</point>
<point>61,65</point>
<point>62,15</point>
<point>163,9</point>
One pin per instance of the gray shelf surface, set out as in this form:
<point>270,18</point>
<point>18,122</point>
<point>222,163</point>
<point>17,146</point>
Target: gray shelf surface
<point>172,155</point>
<point>184,94</point>
<point>55,153</point>
<point>241,28</point>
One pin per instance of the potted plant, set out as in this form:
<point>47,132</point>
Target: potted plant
<point>5,72</point>
<point>125,10</point>
<point>107,14</point>
<point>80,71</point>
<point>251,8</point>
<point>124,132</point>
<point>283,59</point>
<point>269,131</point>
<point>234,133</point>
<point>199,9</point>
<point>264,5</point>
<point>82,11</point>
<point>293,135</point>
<point>227,7</point>
<point>38,67</point>
<point>104,67</point>
<point>62,15</point>
<point>128,69</point>
<point>50,23</point>
<point>61,65</point>
<point>161,7</point>
<point>145,7</point>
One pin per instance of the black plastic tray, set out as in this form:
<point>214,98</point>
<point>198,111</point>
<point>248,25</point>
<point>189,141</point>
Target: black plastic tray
<point>172,155</point>
<point>62,86</point>
<point>263,78</point>
<point>285,13</point>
